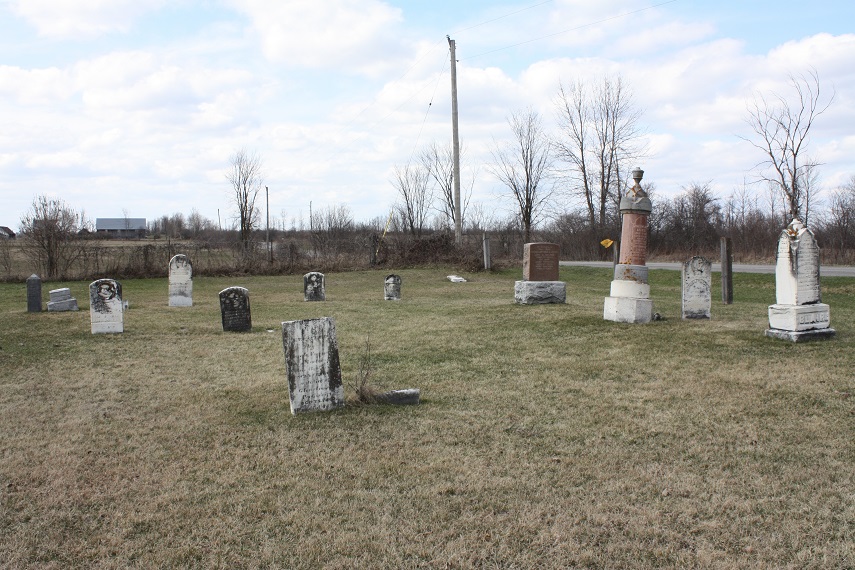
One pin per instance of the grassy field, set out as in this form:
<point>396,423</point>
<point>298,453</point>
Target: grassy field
<point>546,437</point>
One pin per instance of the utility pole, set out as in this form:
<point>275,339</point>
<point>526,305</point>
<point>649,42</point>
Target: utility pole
<point>269,249</point>
<point>455,139</point>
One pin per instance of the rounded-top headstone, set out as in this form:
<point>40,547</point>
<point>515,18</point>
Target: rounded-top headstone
<point>392,288</point>
<point>180,281</point>
<point>314,288</point>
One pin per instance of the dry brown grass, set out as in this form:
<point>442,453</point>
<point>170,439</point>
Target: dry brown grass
<point>546,438</point>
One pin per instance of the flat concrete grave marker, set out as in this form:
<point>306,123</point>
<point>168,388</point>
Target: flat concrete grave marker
<point>61,300</point>
<point>697,288</point>
<point>312,365</point>
<point>540,261</point>
<point>235,309</point>
<point>313,287</point>
<point>180,281</point>
<point>34,294</point>
<point>392,288</point>
<point>106,310</point>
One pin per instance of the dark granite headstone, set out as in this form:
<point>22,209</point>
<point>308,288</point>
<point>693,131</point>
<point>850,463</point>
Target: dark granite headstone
<point>34,294</point>
<point>540,261</point>
<point>234,306</point>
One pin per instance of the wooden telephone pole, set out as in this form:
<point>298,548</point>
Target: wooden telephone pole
<point>455,139</point>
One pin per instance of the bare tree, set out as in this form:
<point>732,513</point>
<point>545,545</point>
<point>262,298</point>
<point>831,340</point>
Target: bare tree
<point>439,163</point>
<point>49,228</point>
<point>246,178</point>
<point>523,166</point>
<point>413,185</point>
<point>781,128</point>
<point>600,136</point>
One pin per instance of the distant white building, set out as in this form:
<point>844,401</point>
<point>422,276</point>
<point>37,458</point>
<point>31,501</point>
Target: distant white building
<point>121,227</point>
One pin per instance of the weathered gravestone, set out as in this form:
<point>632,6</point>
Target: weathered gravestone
<point>799,313</point>
<point>697,288</point>
<point>313,287</point>
<point>540,284</point>
<point>61,300</point>
<point>392,288</point>
<point>180,281</point>
<point>106,310</point>
<point>235,309</point>
<point>312,365</point>
<point>34,294</point>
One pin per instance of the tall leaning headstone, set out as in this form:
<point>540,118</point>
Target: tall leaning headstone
<point>235,310</point>
<point>180,281</point>
<point>34,294</point>
<point>696,277</point>
<point>106,310</point>
<point>313,287</point>
<point>799,313</point>
<point>629,297</point>
<point>312,365</point>
<point>540,284</point>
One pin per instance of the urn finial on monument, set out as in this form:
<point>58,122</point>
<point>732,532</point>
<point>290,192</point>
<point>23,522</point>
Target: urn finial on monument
<point>636,199</point>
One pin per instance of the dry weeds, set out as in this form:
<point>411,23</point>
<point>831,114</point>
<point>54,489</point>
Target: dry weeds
<point>546,438</point>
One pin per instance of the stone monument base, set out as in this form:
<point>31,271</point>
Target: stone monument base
<point>801,336</point>
<point>180,301</point>
<point>799,318</point>
<point>539,292</point>
<point>628,310</point>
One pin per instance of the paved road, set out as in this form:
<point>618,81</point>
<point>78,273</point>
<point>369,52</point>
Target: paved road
<point>825,270</point>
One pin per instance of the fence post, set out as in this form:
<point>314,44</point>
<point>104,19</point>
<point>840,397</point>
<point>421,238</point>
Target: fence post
<point>726,271</point>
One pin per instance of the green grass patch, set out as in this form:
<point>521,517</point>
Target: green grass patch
<point>546,438</point>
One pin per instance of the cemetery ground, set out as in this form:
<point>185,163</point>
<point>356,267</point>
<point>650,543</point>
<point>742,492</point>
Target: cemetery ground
<point>546,437</point>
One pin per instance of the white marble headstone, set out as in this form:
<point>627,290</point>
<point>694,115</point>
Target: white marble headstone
<point>313,287</point>
<point>106,311</point>
<point>312,365</point>
<point>180,281</point>
<point>697,288</point>
<point>797,267</point>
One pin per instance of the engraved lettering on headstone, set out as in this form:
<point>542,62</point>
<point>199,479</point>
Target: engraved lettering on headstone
<point>106,310</point>
<point>180,281</point>
<point>697,288</point>
<point>235,309</point>
<point>540,261</point>
<point>312,365</point>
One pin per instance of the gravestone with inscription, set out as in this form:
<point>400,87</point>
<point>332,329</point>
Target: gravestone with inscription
<point>313,287</point>
<point>629,296</point>
<point>235,309</point>
<point>34,294</point>
<point>697,288</point>
<point>540,284</point>
<point>799,313</point>
<point>312,365</point>
<point>61,300</point>
<point>180,281</point>
<point>106,310</point>
<point>392,288</point>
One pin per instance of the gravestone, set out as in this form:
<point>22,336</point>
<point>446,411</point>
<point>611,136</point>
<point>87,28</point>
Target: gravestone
<point>540,261</point>
<point>34,294</point>
<point>697,288</point>
<point>180,281</point>
<point>61,300</point>
<point>392,288</point>
<point>106,310</point>
<point>540,284</point>
<point>799,313</point>
<point>235,309</point>
<point>313,287</point>
<point>312,365</point>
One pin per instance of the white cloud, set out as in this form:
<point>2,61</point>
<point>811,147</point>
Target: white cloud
<point>77,18</point>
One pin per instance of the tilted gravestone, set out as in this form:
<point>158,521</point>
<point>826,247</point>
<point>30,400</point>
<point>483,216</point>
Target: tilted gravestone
<point>34,294</point>
<point>180,281</point>
<point>235,309</point>
<point>312,365</point>
<point>540,284</point>
<point>799,313</point>
<point>392,288</point>
<point>313,287</point>
<point>106,310</point>
<point>697,288</point>
<point>61,300</point>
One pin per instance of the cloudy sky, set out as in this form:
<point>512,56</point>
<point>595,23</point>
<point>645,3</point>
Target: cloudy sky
<point>135,106</point>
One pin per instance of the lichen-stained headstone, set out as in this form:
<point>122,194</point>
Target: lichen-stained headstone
<point>392,288</point>
<point>106,310</point>
<point>180,281</point>
<point>697,288</point>
<point>313,287</point>
<point>34,294</point>
<point>312,365</point>
<point>235,309</point>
